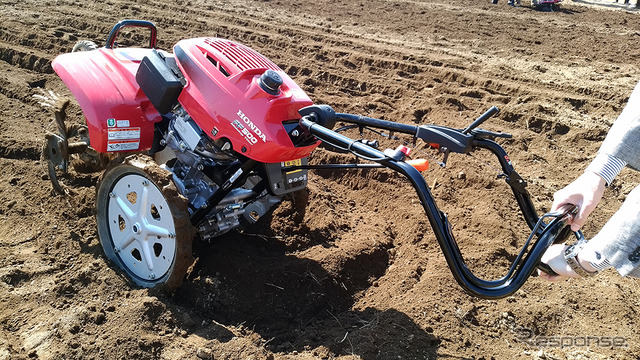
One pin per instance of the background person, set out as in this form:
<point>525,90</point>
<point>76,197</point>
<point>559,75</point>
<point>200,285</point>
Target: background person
<point>511,2</point>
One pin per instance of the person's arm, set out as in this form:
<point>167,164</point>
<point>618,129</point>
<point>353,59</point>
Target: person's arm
<point>585,192</point>
<point>621,147</point>
<point>623,139</point>
<point>618,242</point>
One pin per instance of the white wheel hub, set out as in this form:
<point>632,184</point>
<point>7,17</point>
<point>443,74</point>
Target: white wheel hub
<point>141,227</point>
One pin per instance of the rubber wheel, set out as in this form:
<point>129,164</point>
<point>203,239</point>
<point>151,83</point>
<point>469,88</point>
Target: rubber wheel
<point>143,223</point>
<point>84,45</point>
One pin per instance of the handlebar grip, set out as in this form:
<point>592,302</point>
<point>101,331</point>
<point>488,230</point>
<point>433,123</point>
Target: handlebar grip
<point>568,211</point>
<point>489,113</point>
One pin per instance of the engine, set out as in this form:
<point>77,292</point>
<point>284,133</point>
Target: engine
<point>200,166</point>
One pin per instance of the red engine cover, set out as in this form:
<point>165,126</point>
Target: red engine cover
<point>224,97</point>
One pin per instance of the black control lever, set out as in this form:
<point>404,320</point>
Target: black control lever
<point>484,117</point>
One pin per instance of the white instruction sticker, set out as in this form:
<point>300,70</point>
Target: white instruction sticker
<point>124,145</point>
<point>122,123</point>
<point>124,134</point>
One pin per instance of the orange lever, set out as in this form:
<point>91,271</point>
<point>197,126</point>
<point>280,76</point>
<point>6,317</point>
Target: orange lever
<point>419,164</point>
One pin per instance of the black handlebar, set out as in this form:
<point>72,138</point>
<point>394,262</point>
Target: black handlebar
<point>132,23</point>
<point>529,257</point>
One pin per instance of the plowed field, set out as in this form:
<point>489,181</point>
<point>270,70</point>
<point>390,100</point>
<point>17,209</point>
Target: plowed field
<point>357,273</point>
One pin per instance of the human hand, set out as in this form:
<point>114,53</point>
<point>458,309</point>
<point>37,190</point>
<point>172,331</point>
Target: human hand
<point>554,257</point>
<point>585,192</point>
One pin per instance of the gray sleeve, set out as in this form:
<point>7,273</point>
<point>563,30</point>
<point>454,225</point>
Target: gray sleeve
<point>619,239</point>
<point>618,243</point>
<point>623,139</point>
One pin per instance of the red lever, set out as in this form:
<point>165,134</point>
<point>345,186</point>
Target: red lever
<point>403,149</point>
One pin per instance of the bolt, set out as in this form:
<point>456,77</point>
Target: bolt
<point>234,207</point>
<point>145,183</point>
<point>152,276</point>
<point>200,167</point>
<point>295,133</point>
<point>112,195</point>
<point>163,142</point>
<point>172,235</point>
<point>116,249</point>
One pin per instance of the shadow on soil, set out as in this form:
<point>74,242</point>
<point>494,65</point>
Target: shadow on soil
<point>295,303</point>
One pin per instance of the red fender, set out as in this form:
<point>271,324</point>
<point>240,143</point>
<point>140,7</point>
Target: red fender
<point>118,114</point>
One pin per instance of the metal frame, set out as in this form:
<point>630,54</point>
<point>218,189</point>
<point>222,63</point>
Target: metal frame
<point>463,141</point>
<point>132,23</point>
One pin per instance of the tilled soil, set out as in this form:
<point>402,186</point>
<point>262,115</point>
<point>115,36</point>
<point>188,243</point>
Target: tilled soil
<point>356,272</point>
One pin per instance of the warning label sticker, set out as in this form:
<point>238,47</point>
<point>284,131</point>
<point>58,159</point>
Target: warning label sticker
<point>124,145</point>
<point>124,133</point>
<point>297,162</point>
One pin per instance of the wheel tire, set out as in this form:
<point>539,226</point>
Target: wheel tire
<point>143,223</point>
<point>84,45</point>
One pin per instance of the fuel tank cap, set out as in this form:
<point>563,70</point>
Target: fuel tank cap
<point>270,82</point>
